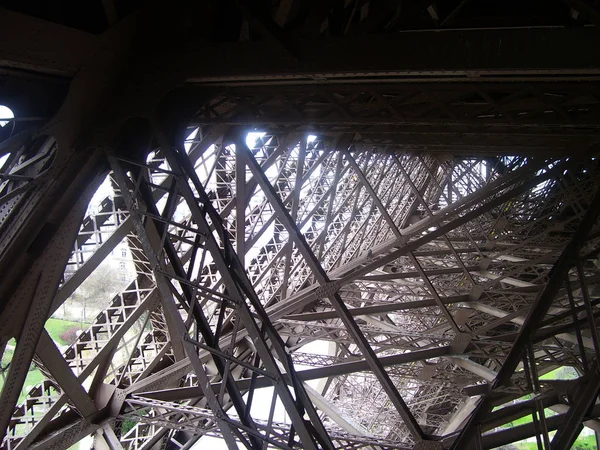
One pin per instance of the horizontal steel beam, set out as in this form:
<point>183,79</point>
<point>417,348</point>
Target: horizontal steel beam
<point>378,309</point>
<point>305,375</point>
<point>452,54</point>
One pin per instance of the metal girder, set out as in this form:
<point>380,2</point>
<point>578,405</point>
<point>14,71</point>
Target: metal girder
<point>377,309</point>
<point>61,372</point>
<point>432,108</point>
<point>35,51</point>
<point>435,117</point>
<point>450,54</point>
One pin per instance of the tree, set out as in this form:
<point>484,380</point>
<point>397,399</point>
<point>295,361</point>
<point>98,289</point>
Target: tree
<point>95,292</point>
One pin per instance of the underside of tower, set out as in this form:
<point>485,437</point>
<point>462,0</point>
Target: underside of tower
<point>299,224</point>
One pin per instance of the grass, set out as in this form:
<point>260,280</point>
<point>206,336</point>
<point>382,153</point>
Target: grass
<point>582,443</point>
<point>34,377</point>
<point>561,373</point>
<point>55,328</point>
<point>585,442</point>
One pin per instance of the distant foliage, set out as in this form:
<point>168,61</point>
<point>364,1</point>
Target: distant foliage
<point>70,335</point>
<point>127,425</point>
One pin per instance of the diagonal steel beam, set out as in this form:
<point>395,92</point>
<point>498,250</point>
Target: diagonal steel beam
<point>55,363</point>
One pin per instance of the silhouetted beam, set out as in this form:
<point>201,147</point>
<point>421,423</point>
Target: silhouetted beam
<point>516,411</point>
<point>360,366</point>
<point>571,426</point>
<point>451,54</point>
<point>34,44</point>
<point>432,272</point>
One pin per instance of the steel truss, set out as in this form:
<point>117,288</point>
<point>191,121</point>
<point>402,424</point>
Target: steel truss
<point>421,291</point>
<point>488,118</point>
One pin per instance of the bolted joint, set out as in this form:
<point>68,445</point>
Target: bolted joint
<point>328,289</point>
<point>110,397</point>
<point>428,445</point>
<point>460,343</point>
<point>476,291</point>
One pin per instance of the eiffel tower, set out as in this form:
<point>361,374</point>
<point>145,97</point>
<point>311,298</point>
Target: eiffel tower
<point>289,225</point>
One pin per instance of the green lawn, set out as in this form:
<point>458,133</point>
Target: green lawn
<point>55,328</point>
<point>582,443</point>
<point>34,377</point>
<point>585,442</point>
<point>561,373</point>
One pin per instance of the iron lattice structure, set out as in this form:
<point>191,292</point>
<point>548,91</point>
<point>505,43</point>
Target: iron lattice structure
<point>321,245</point>
<point>418,274</point>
